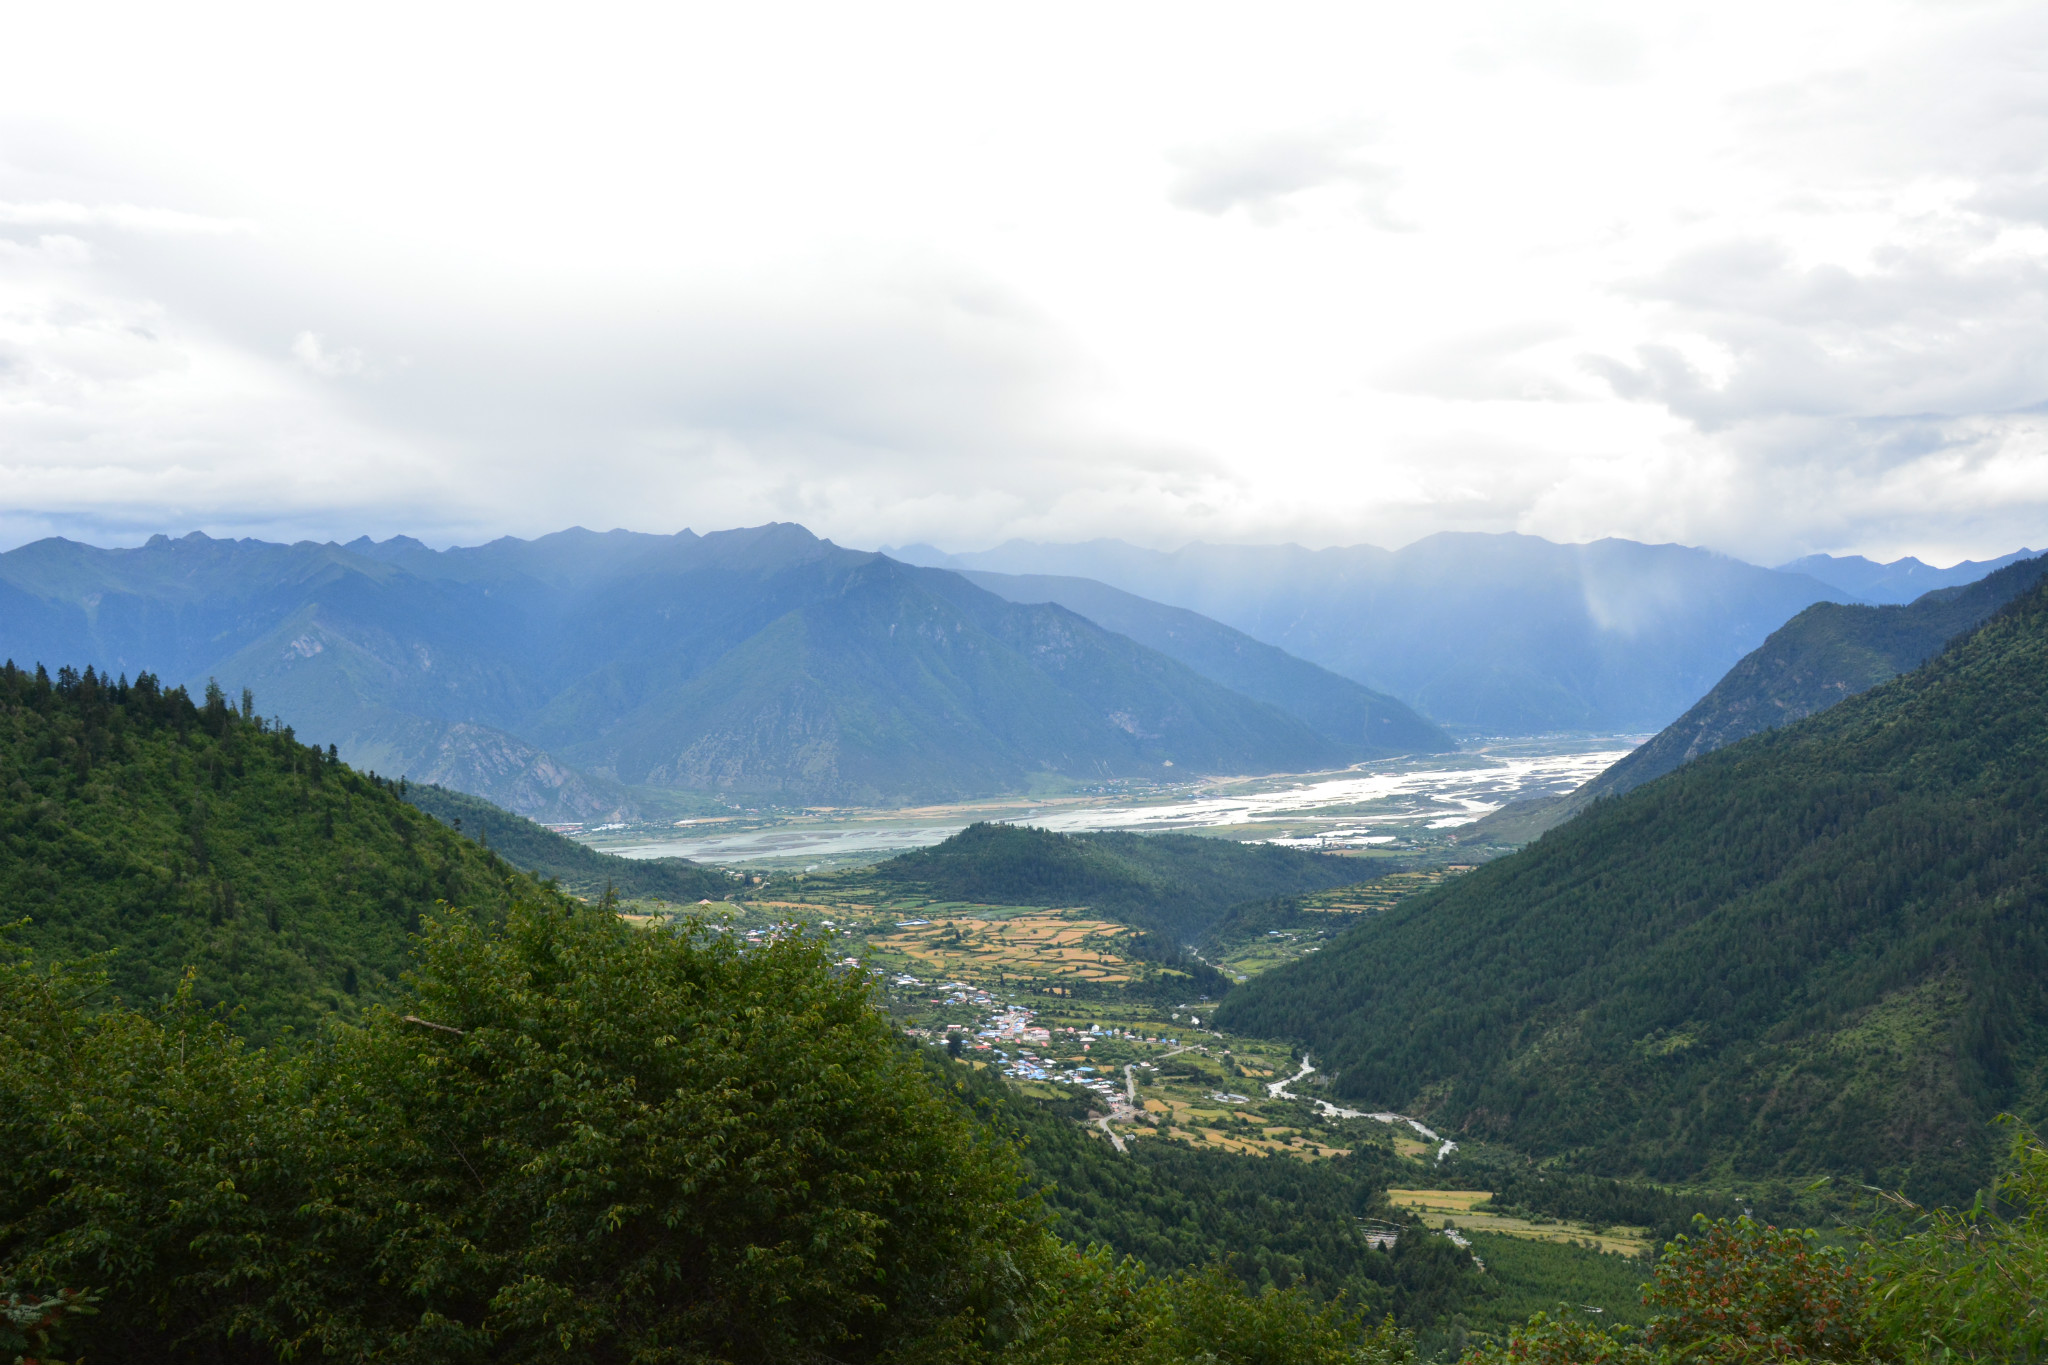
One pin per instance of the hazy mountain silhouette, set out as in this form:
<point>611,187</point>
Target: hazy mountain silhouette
<point>556,675</point>
<point>1503,634</point>
<point>1900,581</point>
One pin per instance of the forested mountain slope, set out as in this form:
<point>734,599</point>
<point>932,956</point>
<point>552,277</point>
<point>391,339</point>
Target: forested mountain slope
<point>1825,653</point>
<point>581,673</point>
<point>168,835</point>
<point>575,867</point>
<point>885,682</point>
<point>1178,884</point>
<point>1821,949</point>
<point>1369,724</point>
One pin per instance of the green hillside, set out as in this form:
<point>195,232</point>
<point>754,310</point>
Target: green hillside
<point>1825,653</point>
<point>1177,884</point>
<point>170,835</point>
<point>575,867</point>
<point>1819,950</point>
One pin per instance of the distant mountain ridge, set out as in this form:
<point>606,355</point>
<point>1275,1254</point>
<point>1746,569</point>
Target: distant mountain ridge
<point>1374,724</point>
<point>1900,581</point>
<point>575,674</point>
<point>1499,634</point>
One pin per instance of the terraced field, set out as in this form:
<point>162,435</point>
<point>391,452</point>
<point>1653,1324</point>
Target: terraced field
<point>1380,894</point>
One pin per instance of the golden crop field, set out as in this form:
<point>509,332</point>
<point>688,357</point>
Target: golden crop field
<point>1457,1205</point>
<point>1049,944</point>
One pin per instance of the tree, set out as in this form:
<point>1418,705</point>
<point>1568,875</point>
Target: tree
<point>573,1138</point>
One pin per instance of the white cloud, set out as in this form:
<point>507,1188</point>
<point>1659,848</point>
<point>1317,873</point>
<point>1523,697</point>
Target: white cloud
<point>1259,174</point>
<point>311,351</point>
<point>125,217</point>
<point>1765,276</point>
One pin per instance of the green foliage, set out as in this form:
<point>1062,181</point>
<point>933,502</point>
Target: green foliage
<point>169,835</point>
<point>1563,1340</point>
<point>1925,1285</point>
<point>1971,1285</point>
<point>1737,1293</point>
<point>1743,1291</point>
<point>31,1324</point>
<point>1099,1309</point>
<point>1177,884</point>
<point>1821,949</point>
<point>552,857</point>
<point>1524,1277</point>
<point>573,1139</point>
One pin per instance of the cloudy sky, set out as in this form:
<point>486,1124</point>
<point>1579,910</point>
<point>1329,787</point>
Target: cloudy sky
<point>1767,277</point>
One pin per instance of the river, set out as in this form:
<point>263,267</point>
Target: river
<point>1389,803</point>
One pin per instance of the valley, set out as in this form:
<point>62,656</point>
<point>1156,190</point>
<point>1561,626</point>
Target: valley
<point>1412,806</point>
<point>963,685</point>
<point>1066,1005</point>
<point>1322,1030</point>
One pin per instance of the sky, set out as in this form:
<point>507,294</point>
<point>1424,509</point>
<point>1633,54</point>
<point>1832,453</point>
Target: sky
<point>1770,278</point>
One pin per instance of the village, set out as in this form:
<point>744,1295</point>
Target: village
<point>1048,999</point>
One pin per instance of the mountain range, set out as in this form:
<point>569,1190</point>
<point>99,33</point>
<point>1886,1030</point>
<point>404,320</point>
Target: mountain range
<point>581,673</point>
<point>1902,580</point>
<point>1820,949</point>
<point>1331,705</point>
<point>1494,634</point>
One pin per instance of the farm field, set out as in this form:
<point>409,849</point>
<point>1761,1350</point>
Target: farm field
<point>1060,1001</point>
<point>1057,948</point>
<point>1381,894</point>
<point>1461,1208</point>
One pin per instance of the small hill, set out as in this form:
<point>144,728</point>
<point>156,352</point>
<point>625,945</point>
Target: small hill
<point>574,867</point>
<point>1825,653</point>
<point>1366,723</point>
<point>170,835</point>
<point>1821,949</point>
<point>1176,884</point>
